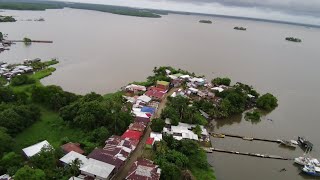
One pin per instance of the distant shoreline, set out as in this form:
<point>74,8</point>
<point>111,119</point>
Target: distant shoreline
<point>125,10</point>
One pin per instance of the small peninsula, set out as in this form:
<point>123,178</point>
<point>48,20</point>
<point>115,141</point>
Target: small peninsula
<point>292,39</point>
<point>240,28</point>
<point>205,21</point>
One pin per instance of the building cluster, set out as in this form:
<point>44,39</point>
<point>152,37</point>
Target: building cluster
<point>9,71</point>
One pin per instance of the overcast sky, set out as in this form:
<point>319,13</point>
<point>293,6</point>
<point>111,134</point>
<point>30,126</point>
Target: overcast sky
<point>301,11</point>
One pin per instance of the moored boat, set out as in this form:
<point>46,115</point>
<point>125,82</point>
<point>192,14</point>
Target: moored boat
<point>311,170</point>
<point>291,143</point>
<point>305,161</point>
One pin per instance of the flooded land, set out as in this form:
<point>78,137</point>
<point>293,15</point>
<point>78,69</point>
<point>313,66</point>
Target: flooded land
<point>102,52</point>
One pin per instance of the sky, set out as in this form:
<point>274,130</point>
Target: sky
<point>298,11</point>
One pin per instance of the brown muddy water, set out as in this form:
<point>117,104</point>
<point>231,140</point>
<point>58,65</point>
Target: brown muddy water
<point>101,52</point>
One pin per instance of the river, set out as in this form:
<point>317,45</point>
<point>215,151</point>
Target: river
<point>101,52</point>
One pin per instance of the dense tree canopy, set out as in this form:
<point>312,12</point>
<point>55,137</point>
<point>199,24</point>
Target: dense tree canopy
<point>22,80</point>
<point>52,96</point>
<point>27,172</point>
<point>157,125</point>
<point>267,102</point>
<point>173,156</point>
<point>221,81</point>
<point>6,141</point>
<point>18,117</point>
<point>92,112</point>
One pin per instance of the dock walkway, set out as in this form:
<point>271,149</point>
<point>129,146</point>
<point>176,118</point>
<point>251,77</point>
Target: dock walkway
<point>244,137</point>
<point>211,150</point>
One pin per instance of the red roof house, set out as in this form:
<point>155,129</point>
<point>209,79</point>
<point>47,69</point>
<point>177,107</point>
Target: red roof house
<point>149,142</point>
<point>144,169</point>
<point>66,148</point>
<point>132,135</point>
<point>155,93</point>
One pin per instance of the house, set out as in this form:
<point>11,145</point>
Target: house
<point>144,98</point>
<point>198,81</point>
<point>147,109</point>
<point>5,177</point>
<point>184,131</point>
<point>126,144</point>
<point>66,148</point>
<point>176,82</point>
<point>98,170</point>
<point>164,85</point>
<point>219,89</point>
<point>144,169</point>
<point>145,120</point>
<point>132,135</point>
<point>113,156</point>
<point>149,142</point>
<point>193,90</point>
<point>135,88</point>
<point>156,93</point>
<point>36,148</point>
<point>156,136</point>
<point>137,126</point>
<point>71,156</point>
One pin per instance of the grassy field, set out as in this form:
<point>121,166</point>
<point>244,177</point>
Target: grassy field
<point>37,76</point>
<point>51,128</point>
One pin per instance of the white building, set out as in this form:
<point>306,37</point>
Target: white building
<point>35,149</point>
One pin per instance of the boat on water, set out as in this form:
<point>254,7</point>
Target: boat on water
<point>305,161</point>
<point>311,170</point>
<point>248,138</point>
<point>218,135</point>
<point>291,143</point>
<point>304,143</point>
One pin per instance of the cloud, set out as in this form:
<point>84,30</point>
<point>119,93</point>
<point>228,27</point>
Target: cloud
<point>297,11</point>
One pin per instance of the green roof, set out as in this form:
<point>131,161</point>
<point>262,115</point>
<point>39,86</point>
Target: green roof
<point>177,75</point>
<point>164,83</point>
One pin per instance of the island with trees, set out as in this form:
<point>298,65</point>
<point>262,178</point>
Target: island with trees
<point>7,19</point>
<point>293,39</point>
<point>205,21</point>
<point>240,28</point>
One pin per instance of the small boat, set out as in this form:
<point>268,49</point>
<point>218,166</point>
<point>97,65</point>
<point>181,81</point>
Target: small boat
<point>305,161</point>
<point>311,170</point>
<point>248,138</point>
<point>305,143</point>
<point>291,143</point>
<point>218,135</point>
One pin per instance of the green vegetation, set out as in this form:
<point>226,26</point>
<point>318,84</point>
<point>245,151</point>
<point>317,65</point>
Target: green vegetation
<point>179,109</point>
<point>240,28</point>
<point>3,81</point>
<point>253,116</point>
<point>205,21</point>
<point>293,39</point>
<point>267,102</point>
<point>175,157</point>
<point>27,172</point>
<point>115,10</point>
<point>16,5</point>
<point>221,81</point>
<point>22,80</point>
<point>157,125</point>
<point>27,41</point>
<point>7,19</point>
<point>39,6</point>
